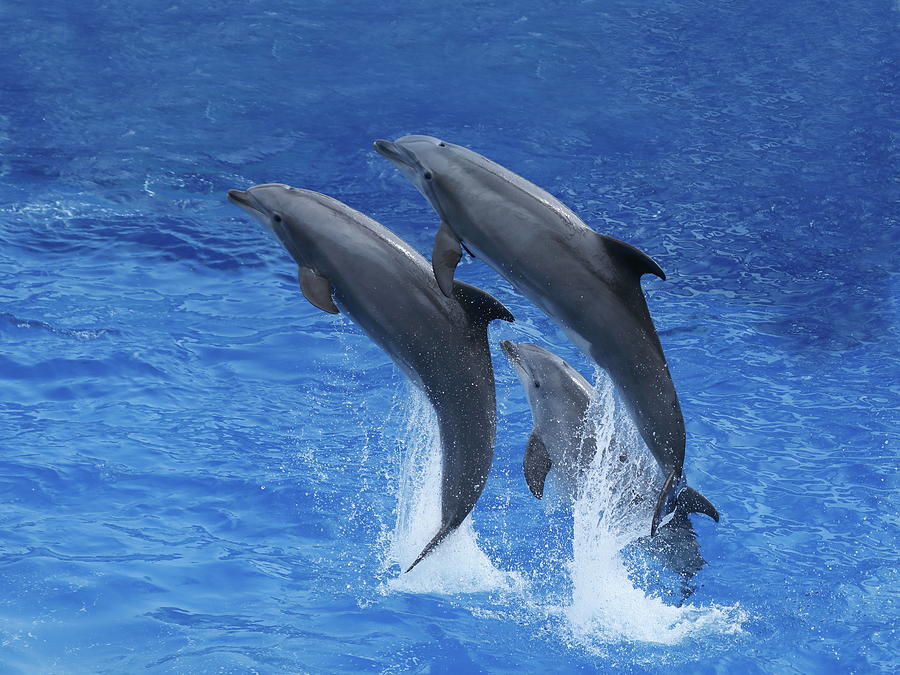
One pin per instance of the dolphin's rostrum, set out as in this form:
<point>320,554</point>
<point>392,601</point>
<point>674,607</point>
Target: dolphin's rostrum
<point>352,264</point>
<point>588,282</point>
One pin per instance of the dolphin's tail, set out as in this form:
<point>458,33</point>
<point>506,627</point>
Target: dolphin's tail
<point>445,530</point>
<point>677,496</point>
<point>691,501</point>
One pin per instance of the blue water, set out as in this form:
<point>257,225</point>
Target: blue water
<point>202,473</point>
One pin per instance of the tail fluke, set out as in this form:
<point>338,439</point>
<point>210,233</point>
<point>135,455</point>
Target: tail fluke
<point>691,501</point>
<point>665,503</point>
<point>676,495</point>
<point>438,538</point>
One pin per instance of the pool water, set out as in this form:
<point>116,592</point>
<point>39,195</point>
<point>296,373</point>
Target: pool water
<point>202,473</point>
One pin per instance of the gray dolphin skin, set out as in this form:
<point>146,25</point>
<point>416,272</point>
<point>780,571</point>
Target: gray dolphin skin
<point>559,398</point>
<point>350,263</point>
<point>588,282</point>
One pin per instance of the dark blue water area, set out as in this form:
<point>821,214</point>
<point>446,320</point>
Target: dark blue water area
<point>199,470</point>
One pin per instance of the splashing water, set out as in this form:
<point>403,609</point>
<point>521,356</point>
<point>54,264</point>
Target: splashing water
<point>457,565</point>
<point>612,511</point>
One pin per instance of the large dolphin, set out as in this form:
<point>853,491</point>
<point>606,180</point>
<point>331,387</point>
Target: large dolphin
<point>588,282</point>
<point>563,442</point>
<point>350,263</point>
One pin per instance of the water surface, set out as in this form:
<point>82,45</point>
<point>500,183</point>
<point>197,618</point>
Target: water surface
<point>203,473</point>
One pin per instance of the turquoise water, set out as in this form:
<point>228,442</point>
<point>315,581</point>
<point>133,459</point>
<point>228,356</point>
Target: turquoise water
<point>202,473</point>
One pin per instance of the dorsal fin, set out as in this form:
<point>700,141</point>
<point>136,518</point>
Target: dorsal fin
<point>480,306</point>
<point>631,258</point>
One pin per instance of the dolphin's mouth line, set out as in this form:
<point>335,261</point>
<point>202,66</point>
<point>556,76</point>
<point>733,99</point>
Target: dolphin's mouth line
<point>395,153</point>
<point>517,355</point>
<point>398,154</point>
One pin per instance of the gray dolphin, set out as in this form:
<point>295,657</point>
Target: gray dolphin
<point>350,263</point>
<point>560,399</point>
<point>588,282</point>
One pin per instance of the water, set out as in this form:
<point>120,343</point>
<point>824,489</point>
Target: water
<point>203,473</point>
<point>461,567</point>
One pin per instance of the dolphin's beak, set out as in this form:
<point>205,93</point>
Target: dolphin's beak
<point>394,152</point>
<point>511,349</point>
<point>245,200</point>
<point>239,197</point>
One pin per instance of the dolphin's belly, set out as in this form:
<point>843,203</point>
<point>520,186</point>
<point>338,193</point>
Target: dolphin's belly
<point>640,374</point>
<point>401,332</point>
<point>428,336</point>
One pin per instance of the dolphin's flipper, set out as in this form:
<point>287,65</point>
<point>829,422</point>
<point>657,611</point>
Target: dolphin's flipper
<point>676,496</point>
<point>317,289</point>
<point>437,539</point>
<point>631,258</point>
<point>691,501</point>
<point>537,463</point>
<point>480,306</point>
<point>445,257</point>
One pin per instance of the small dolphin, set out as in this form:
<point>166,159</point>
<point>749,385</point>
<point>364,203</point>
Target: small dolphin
<point>559,398</point>
<point>350,263</point>
<point>588,282</point>
<point>562,441</point>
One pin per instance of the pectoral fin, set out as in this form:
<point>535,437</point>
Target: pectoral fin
<point>537,463</point>
<point>445,257</point>
<point>317,289</point>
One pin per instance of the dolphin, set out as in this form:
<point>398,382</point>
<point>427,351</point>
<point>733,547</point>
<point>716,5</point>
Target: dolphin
<point>561,441</point>
<point>588,282</point>
<point>559,398</point>
<point>676,547</point>
<point>350,263</point>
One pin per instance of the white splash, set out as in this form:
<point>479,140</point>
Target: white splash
<point>612,511</point>
<point>457,565</point>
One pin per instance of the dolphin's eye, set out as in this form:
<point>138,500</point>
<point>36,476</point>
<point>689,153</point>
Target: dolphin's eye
<point>537,385</point>
<point>276,217</point>
<point>427,175</point>
<point>442,144</point>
